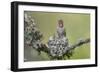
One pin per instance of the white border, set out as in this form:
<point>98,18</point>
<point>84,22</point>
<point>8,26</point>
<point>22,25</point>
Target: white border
<point>22,64</point>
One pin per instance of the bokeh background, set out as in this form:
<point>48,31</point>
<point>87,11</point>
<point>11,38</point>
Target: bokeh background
<point>77,27</point>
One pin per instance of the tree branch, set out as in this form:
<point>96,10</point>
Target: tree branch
<point>69,52</point>
<point>79,43</point>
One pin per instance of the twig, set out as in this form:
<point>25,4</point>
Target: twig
<point>80,42</point>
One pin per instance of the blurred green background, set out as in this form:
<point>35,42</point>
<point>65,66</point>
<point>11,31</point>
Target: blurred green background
<point>77,26</point>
